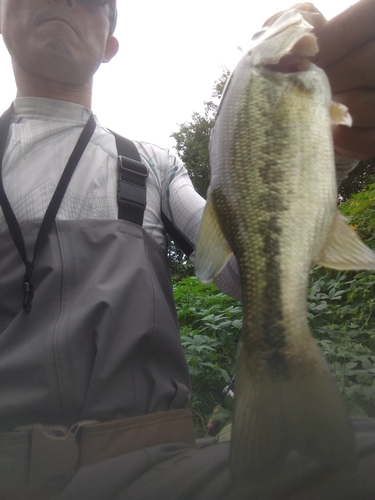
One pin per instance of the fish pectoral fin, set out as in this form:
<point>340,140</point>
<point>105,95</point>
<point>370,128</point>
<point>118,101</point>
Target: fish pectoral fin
<point>340,114</point>
<point>212,250</point>
<point>344,250</point>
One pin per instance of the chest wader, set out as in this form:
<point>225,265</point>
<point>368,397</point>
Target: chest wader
<point>91,364</point>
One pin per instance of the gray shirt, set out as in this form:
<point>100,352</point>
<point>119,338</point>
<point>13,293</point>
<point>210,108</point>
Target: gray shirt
<point>42,136</point>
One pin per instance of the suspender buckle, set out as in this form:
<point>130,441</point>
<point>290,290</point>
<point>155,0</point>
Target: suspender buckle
<point>131,189</point>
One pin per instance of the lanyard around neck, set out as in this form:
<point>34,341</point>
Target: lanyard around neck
<point>52,209</point>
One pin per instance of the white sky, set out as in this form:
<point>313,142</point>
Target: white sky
<point>170,54</point>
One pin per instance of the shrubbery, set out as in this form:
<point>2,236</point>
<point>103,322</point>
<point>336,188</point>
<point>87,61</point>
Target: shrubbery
<point>210,324</point>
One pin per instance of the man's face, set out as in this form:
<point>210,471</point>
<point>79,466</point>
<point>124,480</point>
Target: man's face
<point>61,40</point>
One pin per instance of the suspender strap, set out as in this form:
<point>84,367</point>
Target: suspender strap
<point>130,194</point>
<point>52,209</point>
<point>132,175</point>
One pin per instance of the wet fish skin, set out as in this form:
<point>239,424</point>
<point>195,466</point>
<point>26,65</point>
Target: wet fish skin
<point>272,202</point>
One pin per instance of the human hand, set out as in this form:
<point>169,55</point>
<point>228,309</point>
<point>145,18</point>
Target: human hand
<point>347,55</point>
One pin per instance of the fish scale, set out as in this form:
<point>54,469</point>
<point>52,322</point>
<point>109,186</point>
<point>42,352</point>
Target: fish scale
<point>272,202</point>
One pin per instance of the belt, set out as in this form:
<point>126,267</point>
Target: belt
<point>36,459</point>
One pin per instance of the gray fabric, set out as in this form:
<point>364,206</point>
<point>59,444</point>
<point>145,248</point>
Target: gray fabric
<point>101,341</point>
<point>176,472</point>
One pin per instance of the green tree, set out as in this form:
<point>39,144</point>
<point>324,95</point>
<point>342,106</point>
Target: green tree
<point>360,211</point>
<point>192,143</point>
<point>179,263</point>
<point>192,138</point>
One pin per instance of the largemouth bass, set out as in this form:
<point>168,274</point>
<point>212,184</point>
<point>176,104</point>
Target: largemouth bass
<point>272,201</point>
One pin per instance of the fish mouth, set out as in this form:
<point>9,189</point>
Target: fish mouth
<point>296,60</point>
<point>290,63</point>
<point>277,45</point>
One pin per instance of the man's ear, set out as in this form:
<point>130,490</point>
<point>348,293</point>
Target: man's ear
<point>111,48</point>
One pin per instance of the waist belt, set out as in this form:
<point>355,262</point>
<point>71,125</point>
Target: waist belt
<point>37,461</point>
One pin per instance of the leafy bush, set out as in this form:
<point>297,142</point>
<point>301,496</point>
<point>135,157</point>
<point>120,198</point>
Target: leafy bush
<point>360,210</point>
<point>210,324</point>
<point>341,315</point>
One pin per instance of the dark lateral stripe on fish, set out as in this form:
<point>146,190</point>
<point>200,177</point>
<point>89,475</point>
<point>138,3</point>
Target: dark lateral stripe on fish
<point>273,330</point>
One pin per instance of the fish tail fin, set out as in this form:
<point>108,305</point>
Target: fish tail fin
<point>301,410</point>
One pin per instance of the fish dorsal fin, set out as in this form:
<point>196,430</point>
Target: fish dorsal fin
<point>344,250</point>
<point>212,250</point>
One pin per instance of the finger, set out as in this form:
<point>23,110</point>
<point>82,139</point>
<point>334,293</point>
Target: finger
<point>356,70</point>
<point>354,142</point>
<point>361,105</point>
<point>345,32</point>
<point>312,15</point>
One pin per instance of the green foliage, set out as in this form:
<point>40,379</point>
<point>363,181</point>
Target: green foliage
<point>358,180</point>
<point>360,209</point>
<point>192,145</point>
<point>210,324</point>
<point>179,264</point>
<point>341,309</point>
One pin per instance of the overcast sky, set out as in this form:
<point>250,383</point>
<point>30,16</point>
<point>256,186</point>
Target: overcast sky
<point>170,54</point>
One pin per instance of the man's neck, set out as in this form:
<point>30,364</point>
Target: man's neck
<point>35,86</point>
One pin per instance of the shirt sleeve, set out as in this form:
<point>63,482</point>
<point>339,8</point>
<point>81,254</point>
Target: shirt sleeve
<point>184,208</point>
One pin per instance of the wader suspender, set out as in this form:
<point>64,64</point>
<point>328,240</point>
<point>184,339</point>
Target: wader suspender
<point>131,196</point>
<point>131,187</point>
<point>131,192</point>
<point>52,209</point>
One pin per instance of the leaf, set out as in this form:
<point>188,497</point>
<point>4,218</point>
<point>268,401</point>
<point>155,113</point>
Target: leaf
<point>237,323</point>
<point>366,363</point>
<point>350,365</point>
<point>224,374</point>
<point>221,414</point>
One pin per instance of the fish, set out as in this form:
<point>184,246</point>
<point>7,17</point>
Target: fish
<point>272,202</point>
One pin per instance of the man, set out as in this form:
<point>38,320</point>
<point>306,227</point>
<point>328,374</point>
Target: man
<point>88,327</point>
